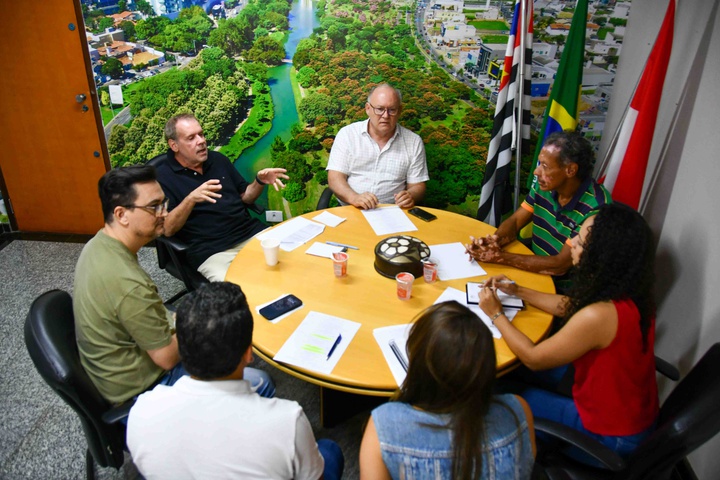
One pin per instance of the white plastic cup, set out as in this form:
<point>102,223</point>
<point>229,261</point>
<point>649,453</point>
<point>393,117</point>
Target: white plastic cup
<point>404,285</point>
<point>271,248</point>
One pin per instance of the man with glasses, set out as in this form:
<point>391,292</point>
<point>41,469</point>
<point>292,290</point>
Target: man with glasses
<point>123,330</point>
<point>376,160</point>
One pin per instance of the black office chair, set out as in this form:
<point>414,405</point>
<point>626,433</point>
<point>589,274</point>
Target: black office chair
<point>325,198</point>
<point>50,340</point>
<point>172,252</point>
<point>689,417</point>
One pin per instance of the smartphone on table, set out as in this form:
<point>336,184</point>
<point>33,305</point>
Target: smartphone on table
<point>422,214</point>
<point>280,307</point>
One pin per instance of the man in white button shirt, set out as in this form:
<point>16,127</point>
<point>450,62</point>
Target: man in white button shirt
<point>376,160</point>
<point>212,424</point>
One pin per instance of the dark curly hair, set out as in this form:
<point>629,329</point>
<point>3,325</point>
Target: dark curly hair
<point>617,263</point>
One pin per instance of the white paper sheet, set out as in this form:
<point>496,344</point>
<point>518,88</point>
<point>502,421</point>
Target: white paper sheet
<point>276,319</point>
<point>293,233</point>
<point>453,262</point>
<point>398,334</point>
<point>323,250</point>
<point>460,297</point>
<point>329,219</point>
<point>312,340</point>
<point>388,220</point>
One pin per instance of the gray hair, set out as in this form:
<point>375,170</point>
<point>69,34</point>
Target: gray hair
<point>170,129</point>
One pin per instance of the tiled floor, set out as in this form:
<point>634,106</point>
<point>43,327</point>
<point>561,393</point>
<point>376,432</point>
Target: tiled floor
<point>40,436</point>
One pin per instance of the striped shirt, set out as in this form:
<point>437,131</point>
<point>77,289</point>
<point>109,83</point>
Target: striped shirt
<point>381,172</point>
<point>554,226</point>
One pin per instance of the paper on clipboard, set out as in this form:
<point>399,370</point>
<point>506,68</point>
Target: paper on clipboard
<point>460,297</point>
<point>398,334</point>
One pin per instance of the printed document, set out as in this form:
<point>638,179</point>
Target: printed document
<point>388,220</point>
<point>293,233</point>
<point>399,335</point>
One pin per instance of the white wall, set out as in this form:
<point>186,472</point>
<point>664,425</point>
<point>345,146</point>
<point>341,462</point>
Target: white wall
<point>682,200</point>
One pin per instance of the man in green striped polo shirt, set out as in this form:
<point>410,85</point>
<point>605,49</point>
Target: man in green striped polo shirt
<point>565,195</point>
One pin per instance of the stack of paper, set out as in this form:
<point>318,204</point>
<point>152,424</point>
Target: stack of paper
<point>293,233</point>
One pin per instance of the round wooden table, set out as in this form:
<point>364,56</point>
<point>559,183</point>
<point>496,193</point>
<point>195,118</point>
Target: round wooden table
<point>366,297</point>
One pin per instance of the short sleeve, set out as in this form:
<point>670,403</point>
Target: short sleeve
<point>340,155</point>
<point>144,316</point>
<point>418,171</point>
<point>307,462</point>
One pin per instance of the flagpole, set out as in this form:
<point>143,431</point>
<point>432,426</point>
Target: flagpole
<point>519,103</point>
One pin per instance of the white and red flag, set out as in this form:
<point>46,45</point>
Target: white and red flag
<point>625,173</point>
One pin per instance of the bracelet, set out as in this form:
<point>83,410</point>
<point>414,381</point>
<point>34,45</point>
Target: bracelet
<point>257,179</point>
<point>494,317</point>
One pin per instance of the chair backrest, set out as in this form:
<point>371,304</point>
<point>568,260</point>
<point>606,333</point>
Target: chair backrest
<point>51,343</point>
<point>171,251</point>
<point>324,200</point>
<point>689,417</point>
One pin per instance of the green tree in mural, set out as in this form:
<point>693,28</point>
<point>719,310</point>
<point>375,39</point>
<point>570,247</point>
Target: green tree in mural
<point>112,67</point>
<point>144,7</point>
<point>294,192</point>
<point>267,50</point>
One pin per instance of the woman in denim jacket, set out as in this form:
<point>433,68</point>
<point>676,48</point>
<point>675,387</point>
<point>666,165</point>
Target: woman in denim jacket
<point>444,422</point>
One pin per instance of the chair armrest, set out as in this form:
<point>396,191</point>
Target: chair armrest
<point>324,201</point>
<point>667,369</point>
<point>598,451</point>
<point>255,208</point>
<point>115,414</point>
<point>174,243</point>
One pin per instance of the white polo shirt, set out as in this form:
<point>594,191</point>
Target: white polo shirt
<point>219,430</point>
<point>381,172</point>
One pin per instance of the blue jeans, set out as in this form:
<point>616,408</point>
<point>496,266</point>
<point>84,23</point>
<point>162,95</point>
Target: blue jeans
<point>547,404</point>
<point>334,459</point>
<point>260,381</point>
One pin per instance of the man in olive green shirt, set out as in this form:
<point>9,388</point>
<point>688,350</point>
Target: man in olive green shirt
<point>123,330</point>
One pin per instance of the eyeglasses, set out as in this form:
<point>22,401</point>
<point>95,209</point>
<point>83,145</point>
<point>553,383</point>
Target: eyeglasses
<point>381,110</point>
<point>157,209</point>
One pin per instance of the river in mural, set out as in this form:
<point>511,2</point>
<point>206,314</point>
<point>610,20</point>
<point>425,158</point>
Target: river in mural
<point>302,20</point>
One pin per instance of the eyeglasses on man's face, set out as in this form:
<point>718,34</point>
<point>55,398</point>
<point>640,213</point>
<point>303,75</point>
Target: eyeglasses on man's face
<point>156,209</point>
<point>380,111</point>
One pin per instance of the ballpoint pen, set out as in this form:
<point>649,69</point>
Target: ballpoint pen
<point>336,244</point>
<point>398,355</point>
<point>332,349</point>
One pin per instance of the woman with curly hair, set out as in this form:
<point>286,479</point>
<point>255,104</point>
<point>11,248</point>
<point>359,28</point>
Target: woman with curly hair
<point>444,422</point>
<point>608,332</point>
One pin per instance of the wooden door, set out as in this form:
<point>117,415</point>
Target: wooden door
<point>53,146</point>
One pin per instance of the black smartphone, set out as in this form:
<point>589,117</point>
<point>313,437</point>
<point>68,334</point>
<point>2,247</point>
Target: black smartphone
<point>280,307</point>
<point>422,214</point>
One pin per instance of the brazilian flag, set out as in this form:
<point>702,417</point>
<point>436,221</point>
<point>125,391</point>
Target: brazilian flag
<point>562,109</point>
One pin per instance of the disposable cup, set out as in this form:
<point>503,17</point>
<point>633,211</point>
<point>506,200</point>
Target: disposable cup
<point>430,268</point>
<point>340,264</point>
<point>404,285</point>
<point>271,248</point>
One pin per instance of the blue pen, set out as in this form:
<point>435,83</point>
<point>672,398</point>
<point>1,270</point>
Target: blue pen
<point>337,342</point>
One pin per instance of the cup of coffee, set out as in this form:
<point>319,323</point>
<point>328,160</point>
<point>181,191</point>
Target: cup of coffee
<point>340,264</point>
<point>271,248</point>
<point>404,285</point>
